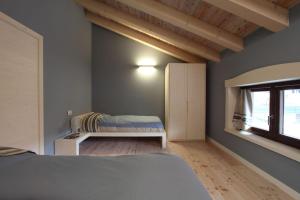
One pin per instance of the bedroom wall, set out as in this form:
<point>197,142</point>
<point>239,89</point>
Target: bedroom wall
<point>263,48</point>
<point>67,58</point>
<point>117,88</point>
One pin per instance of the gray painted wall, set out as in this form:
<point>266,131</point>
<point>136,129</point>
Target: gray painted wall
<point>67,58</point>
<point>262,49</point>
<point>117,88</point>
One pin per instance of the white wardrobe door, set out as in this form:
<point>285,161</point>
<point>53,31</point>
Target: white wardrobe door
<point>178,99</point>
<point>20,87</point>
<point>196,102</point>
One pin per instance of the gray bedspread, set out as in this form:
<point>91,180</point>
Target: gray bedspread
<point>141,177</point>
<point>131,121</point>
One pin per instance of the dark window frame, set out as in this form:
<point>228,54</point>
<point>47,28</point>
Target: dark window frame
<point>276,117</point>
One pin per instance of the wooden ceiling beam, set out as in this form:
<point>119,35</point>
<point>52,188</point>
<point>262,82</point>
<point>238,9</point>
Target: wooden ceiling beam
<point>150,29</point>
<point>187,22</point>
<point>143,38</point>
<point>260,12</point>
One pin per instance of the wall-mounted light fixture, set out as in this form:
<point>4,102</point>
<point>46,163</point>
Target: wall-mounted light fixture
<point>146,67</point>
<point>147,70</point>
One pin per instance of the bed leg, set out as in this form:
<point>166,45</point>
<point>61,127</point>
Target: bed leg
<point>164,142</point>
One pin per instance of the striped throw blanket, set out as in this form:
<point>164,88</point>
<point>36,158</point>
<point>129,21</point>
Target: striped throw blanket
<point>9,151</point>
<point>89,123</point>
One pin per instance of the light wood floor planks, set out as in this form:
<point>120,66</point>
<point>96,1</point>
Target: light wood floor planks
<point>223,176</point>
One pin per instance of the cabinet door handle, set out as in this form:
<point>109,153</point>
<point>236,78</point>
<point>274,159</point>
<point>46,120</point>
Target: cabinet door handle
<point>270,117</point>
<point>187,106</point>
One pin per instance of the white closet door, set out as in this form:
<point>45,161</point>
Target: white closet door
<point>21,86</point>
<point>196,101</point>
<point>178,102</point>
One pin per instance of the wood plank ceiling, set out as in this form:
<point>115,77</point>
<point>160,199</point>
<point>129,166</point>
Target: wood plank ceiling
<point>191,30</point>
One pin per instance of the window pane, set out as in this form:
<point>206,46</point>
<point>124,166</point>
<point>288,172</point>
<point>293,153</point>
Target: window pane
<point>291,113</point>
<point>261,110</point>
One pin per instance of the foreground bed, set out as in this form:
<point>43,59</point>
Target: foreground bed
<point>103,125</point>
<point>140,177</point>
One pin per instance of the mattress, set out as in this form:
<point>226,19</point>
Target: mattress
<point>130,123</point>
<point>98,122</point>
<point>139,177</point>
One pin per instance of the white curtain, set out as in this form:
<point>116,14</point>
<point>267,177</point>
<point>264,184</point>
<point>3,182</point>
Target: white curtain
<point>243,110</point>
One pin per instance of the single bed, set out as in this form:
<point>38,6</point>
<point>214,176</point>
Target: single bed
<point>139,177</point>
<point>104,125</point>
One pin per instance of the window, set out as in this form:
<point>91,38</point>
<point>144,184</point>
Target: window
<point>261,109</point>
<point>276,112</point>
<point>291,113</point>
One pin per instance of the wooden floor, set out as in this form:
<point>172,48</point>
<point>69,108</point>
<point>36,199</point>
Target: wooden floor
<point>223,176</point>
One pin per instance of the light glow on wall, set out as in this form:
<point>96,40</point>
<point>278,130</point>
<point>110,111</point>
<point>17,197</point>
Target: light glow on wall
<point>146,61</point>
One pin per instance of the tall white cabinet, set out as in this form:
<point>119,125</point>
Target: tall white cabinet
<point>185,95</point>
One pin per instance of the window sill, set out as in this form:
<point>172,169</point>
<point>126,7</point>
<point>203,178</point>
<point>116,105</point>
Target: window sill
<point>290,152</point>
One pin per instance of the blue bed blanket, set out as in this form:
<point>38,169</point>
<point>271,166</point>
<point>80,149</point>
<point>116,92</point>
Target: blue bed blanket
<point>130,121</point>
<point>98,122</point>
<point>139,177</point>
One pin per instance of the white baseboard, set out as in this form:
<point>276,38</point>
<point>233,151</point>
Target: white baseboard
<point>259,171</point>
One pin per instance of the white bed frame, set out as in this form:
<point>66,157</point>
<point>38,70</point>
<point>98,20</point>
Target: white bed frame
<point>162,135</point>
<point>71,146</point>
